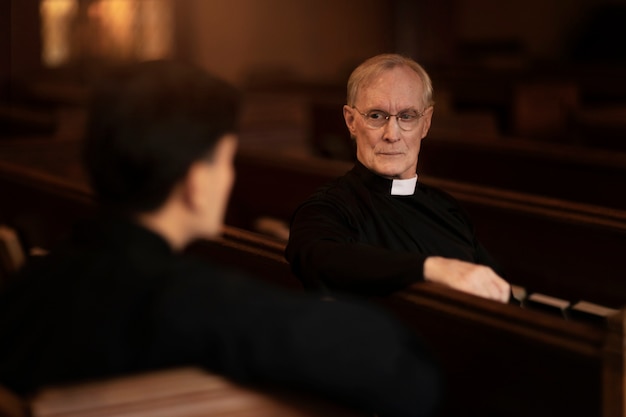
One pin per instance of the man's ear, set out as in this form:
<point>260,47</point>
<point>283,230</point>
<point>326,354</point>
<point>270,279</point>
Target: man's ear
<point>196,185</point>
<point>428,117</point>
<point>348,116</point>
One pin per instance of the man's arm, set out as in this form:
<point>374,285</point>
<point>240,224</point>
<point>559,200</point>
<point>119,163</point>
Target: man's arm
<point>323,248</point>
<point>464,276</point>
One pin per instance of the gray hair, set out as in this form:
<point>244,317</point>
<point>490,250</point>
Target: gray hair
<point>374,66</point>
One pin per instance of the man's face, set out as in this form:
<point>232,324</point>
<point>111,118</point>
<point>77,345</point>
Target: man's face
<point>389,150</point>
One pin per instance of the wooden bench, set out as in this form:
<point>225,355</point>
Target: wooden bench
<point>43,198</point>
<point>575,173</point>
<point>176,392</point>
<point>499,359</point>
<point>549,245</point>
<point>546,245</point>
<point>502,360</point>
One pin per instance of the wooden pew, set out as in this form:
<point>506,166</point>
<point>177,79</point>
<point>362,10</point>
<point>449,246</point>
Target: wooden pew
<point>527,363</point>
<point>12,255</point>
<point>494,88</point>
<point>545,245</point>
<point>43,198</point>
<point>575,173</point>
<point>548,245</point>
<point>177,392</point>
<point>500,360</point>
<point>264,255</point>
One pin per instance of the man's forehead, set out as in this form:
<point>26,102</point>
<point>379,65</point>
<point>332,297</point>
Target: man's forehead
<point>400,73</point>
<point>396,83</point>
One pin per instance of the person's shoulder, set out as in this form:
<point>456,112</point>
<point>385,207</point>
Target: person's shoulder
<point>445,201</point>
<point>192,271</point>
<point>437,194</point>
<point>338,189</point>
<point>339,197</point>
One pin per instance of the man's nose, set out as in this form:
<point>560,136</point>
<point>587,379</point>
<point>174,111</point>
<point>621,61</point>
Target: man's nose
<point>392,129</point>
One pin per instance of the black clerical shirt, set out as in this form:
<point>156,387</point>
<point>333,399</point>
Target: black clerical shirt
<point>353,235</point>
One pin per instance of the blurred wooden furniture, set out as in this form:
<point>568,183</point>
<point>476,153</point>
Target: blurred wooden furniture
<point>12,405</point>
<point>544,110</point>
<point>12,255</point>
<point>545,244</point>
<point>178,392</point>
<point>569,172</point>
<point>500,360</point>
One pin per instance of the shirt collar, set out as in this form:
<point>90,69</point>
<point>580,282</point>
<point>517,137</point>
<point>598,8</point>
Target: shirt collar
<point>404,187</point>
<point>380,184</point>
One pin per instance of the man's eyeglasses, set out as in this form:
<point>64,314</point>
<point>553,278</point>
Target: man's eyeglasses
<point>375,119</point>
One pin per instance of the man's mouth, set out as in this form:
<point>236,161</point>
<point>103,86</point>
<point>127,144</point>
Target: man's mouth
<point>390,153</point>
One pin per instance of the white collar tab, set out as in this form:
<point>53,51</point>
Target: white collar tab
<point>403,187</point>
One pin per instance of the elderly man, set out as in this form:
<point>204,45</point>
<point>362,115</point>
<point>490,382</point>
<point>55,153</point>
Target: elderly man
<point>377,229</point>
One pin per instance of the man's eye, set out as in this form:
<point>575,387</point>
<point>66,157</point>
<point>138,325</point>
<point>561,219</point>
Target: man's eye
<point>407,117</point>
<point>376,115</point>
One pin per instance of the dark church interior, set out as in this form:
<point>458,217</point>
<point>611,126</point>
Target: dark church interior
<point>528,134</point>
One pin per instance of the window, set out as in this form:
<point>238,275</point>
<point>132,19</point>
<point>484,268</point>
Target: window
<point>108,30</point>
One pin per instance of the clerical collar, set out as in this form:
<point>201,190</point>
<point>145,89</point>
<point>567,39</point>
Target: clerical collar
<point>384,185</point>
<point>403,187</point>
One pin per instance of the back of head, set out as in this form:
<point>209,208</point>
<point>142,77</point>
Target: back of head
<point>148,123</point>
<point>372,67</point>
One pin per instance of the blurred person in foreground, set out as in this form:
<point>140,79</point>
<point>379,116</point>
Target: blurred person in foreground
<point>378,229</point>
<point>119,296</point>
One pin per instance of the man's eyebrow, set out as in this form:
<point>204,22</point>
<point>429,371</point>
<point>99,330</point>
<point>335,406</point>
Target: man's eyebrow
<point>410,108</point>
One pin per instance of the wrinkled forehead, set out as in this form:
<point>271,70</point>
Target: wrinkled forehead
<point>399,81</point>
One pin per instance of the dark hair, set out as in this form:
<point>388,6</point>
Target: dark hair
<point>148,123</point>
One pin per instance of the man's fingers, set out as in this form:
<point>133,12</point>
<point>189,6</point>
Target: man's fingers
<point>497,288</point>
<point>475,279</point>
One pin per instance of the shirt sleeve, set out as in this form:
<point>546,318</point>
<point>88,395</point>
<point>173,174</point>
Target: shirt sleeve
<point>324,251</point>
<point>482,255</point>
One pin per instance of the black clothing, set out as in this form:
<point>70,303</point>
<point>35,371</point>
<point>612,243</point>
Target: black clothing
<point>354,236</point>
<point>116,299</point>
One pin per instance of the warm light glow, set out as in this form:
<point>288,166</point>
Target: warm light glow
<point>156,29</point>
<point>56,21</point>
<point>112,30</point>
<point>113,21</point>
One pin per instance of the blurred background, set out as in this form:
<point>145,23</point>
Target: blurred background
<point>532,70</point>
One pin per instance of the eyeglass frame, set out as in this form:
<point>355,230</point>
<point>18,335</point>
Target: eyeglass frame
<point>418,116</point>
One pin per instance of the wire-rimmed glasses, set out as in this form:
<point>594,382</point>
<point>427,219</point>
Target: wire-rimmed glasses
<point>407,120</point>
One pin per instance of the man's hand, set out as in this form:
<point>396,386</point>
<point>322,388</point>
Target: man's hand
<point>464,276</point>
